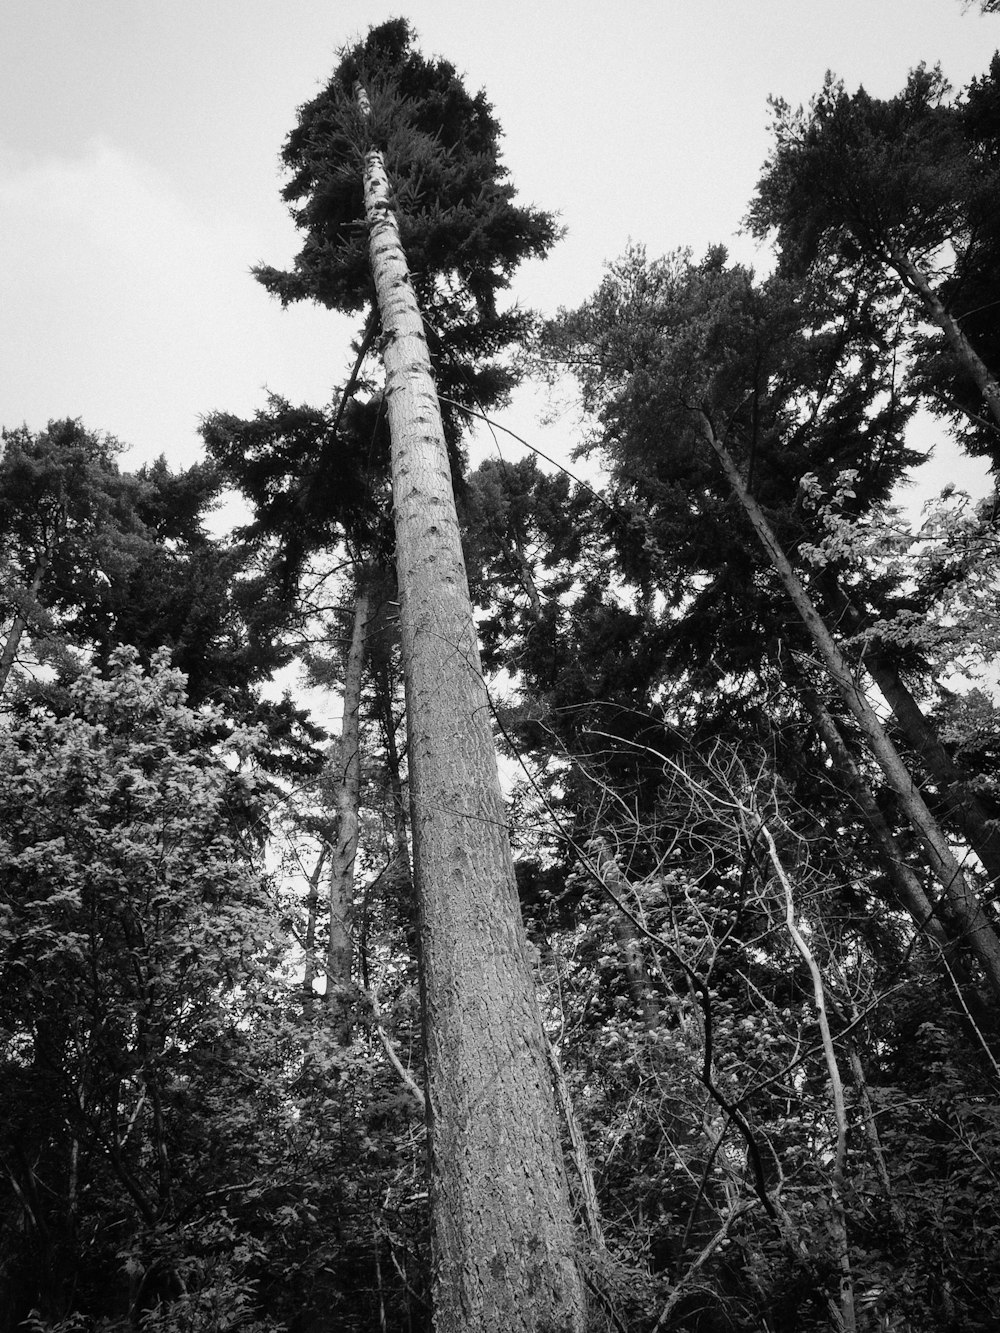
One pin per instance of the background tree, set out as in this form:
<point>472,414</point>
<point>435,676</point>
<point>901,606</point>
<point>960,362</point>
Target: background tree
<point>68,528</point>
<point>894,194</point>
<point>139,941</point>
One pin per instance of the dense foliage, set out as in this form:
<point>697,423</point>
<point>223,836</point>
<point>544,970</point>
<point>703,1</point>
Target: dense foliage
<point>776,1056</point>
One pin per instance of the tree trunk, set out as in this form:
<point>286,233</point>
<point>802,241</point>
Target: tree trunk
<point>977,1012</point>
<point>20,623</point>
<point>966,909</point>
<point>961,805</point>
<point>504,1248</point>
<point>312,910</point>
<point>636,975</point>
<point>586,1186</point>
<point>383,639</point>
<point>399,877</point>
<point>522,565</point>
<point>347,797</point>
<point>869,1128</point>
<point>838,1180</point>
<point>904,880</point>
<point>915,280</point>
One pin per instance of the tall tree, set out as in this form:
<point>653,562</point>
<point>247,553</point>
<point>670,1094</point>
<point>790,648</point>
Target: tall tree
<point>505,1249</point>
<point>897,193</point>
<point>971,919</point>
<point>92,557</point>
<point>68,529</point>
<point>701,355</point>
<point>138,949</point>
<point>479,993</point>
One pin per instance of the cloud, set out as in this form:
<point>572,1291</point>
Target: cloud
<point>126,306</point>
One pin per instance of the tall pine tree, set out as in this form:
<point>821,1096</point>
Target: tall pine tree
<point>395,148</point>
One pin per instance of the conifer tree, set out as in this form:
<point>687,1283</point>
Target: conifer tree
<point>899,196</point>
<point>396,147</point>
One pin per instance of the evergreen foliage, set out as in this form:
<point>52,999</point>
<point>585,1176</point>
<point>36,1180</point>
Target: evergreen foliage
<point>779,1076</point>
<point>462,231</point>
<point>864,188</point>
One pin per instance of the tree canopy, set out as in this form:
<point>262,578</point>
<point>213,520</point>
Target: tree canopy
<point>746,711</point>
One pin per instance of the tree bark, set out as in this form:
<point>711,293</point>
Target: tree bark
<point>347,798</point>
<point>966,909</point>
<point>504,1248</point>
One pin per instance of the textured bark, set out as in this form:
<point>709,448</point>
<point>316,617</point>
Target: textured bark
<point>966,909</point>
<point>347,797</point>
<point>504,1248</point>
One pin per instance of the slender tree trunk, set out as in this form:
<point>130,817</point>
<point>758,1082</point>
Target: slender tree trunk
<point>312,910</point>
<point>961,806</point>
<point>522,565</point>
<point>347,796</point>
<point>838,1211</point>
<point>909,889</point>
<point>399,880</point>
<point>632,954</point>
<point>917,282</point>
<point>20,623</point>
<point>383,637</point>
<point>977,1011</point>
<point>504,1248</point>
<point>869,1128</point>
<point>966,909</point>
<point>586,1186</point>
<point>402,874</point>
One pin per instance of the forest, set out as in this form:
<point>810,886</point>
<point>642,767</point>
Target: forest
<point>626,955</point>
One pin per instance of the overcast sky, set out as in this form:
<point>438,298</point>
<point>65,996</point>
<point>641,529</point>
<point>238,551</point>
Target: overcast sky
<point>139,173</point>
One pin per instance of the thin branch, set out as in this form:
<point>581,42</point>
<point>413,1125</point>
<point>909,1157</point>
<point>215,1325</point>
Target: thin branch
<point>699,1263</point>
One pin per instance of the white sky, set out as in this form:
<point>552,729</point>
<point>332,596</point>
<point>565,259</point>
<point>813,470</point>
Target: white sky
<point>139,177</point>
